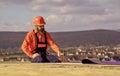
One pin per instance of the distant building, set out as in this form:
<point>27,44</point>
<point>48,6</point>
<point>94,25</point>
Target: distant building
<point>2,59</point>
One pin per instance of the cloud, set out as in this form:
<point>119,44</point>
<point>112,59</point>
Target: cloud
<point>7,26</point>
<point>82,13</point>
<point>35,8</point>
<point>15,1</point>
<point>40,1</point>
<point>68,18</point>
<point>77,14</point>
<point>4,3</point>
<point>67,7</point>
<point>58,1</point>
<point>53,19</point>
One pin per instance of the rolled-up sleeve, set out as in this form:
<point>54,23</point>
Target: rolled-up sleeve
<point>28,45</point>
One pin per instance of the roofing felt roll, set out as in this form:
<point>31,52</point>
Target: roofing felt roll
<point>97,61</point>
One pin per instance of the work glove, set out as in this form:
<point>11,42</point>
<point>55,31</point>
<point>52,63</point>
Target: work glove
<point>35,55</point>
<point>36,58</point>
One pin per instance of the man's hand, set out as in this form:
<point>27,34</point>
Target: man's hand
<point>35,55</point>
<point>58,53</point>
<point>59,56</point>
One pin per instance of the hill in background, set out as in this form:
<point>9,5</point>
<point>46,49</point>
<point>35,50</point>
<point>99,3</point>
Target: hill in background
<point>66,39</point>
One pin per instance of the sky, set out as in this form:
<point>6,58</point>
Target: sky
<point>60,15</point>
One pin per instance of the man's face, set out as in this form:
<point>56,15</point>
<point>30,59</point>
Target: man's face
<point>40,28</point>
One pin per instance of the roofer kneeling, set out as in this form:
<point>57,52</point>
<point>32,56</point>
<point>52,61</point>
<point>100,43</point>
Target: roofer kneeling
<point>36,42</point>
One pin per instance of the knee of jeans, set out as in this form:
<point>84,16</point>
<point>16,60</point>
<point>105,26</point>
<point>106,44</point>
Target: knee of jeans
<point>36,60</point>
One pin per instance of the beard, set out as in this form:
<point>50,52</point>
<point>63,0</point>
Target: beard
<point>41,30</point>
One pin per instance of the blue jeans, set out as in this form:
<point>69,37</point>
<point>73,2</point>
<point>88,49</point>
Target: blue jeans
<point>50,58</point>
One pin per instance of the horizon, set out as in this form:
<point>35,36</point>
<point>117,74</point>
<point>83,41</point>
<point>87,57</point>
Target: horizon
<point>117,30</point>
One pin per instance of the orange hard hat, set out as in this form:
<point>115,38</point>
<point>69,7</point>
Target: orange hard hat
<point>39,20</point>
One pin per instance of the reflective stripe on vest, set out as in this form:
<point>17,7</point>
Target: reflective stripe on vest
<point>41,44</point>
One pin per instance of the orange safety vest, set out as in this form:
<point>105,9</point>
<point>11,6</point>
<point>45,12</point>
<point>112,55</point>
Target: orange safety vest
<point>31,42</point>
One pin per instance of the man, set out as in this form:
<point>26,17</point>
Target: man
<point>36,42</point>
